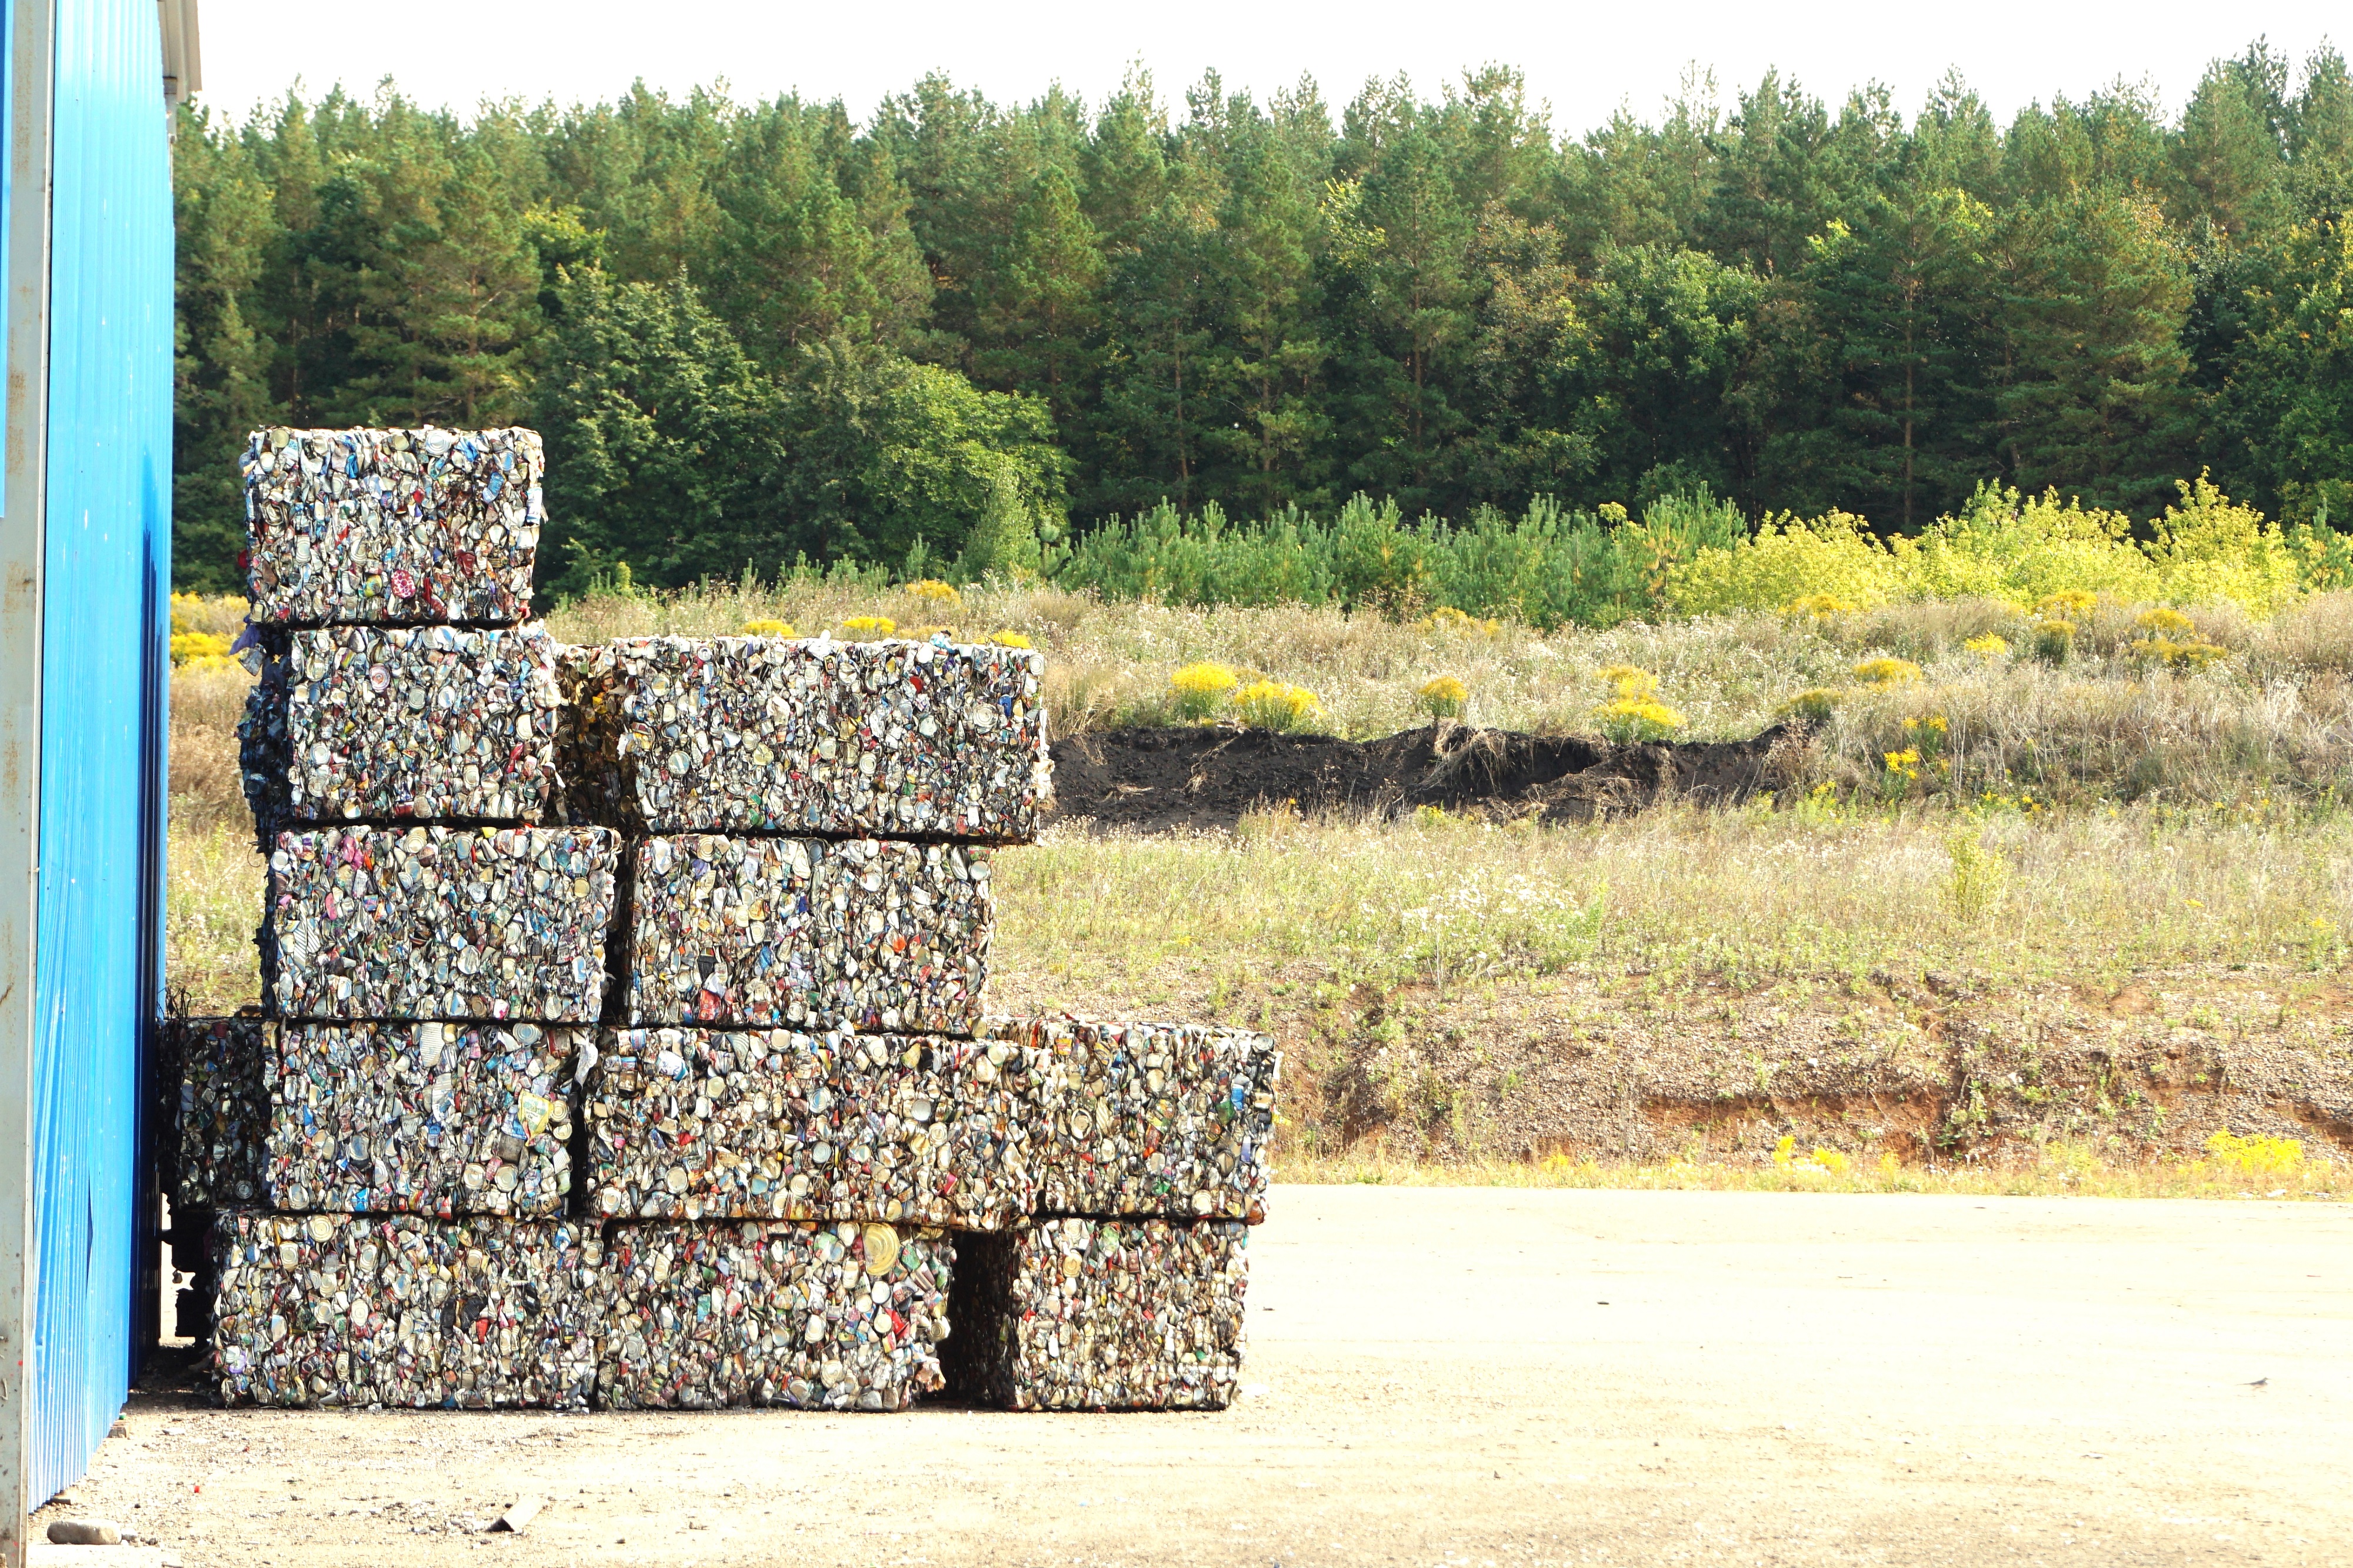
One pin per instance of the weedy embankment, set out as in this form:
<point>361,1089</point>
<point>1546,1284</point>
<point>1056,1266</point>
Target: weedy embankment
<point>2004,920</point>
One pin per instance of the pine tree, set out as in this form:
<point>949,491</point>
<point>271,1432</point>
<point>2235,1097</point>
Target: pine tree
<point>2091,396</point>
<point>1883,347</point>
<point>1042,298</point>
<point>2230,157</point>
<point>1769,199</point>
<point>798,257</point>
<point>1400,245</point>
<point>225,225</point>
<point>1265,269</point>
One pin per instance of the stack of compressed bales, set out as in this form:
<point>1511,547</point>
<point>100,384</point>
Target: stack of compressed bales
<point>792,1110</point>
<point>803,1149</point>
<point>801,971</point>
<point>1150,1143</point>
<point>433,947</point>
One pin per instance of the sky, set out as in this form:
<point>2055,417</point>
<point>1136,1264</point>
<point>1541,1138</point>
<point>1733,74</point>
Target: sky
<point>1585,60</point>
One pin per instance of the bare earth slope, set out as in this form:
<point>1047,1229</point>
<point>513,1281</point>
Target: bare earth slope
<point>1155,779</point>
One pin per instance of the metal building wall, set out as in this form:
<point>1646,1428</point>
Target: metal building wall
<point>106,618</point>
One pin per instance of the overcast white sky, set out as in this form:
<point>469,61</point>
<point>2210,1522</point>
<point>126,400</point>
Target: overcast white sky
<point>1583,58</point>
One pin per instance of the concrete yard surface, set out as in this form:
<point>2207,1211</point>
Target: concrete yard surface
<point>1463,1376</point>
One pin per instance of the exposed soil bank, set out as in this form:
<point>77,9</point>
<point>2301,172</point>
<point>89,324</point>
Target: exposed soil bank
<point>1638,1069</point>
<point>1161,780</point>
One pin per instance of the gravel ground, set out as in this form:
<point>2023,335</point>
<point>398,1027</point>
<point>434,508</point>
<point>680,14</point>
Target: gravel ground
<point>1464,1376</point>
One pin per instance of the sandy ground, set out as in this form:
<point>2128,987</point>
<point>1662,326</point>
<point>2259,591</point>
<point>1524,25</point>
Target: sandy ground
<point>1466,1377</point>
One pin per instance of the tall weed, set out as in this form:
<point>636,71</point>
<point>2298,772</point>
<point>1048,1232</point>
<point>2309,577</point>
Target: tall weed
<point>1547,567</point>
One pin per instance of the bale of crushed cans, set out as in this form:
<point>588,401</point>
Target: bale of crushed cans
<point>438,922</point>
<point>404,526</point>
<point>432,1118</point>
<point>261,745</point>
<point>342,1310</point>
<point>834,1317</point>
<point>389,723</point>
<point>895,739</point>
<point>808,933</point>
<point>221,1114</point>
<point>1169,1120</point>
<point>776,1124</point>
<point>1084,1314</point>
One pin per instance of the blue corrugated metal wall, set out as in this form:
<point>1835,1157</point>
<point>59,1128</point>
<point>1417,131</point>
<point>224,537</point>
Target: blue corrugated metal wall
<point>106,619</point>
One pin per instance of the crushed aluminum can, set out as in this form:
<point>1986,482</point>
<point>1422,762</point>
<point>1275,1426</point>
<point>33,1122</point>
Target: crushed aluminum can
<point>808,933</point>
<point>415,527</point>
<point>773,1124</point>
<point>433,1119</point>
<point>261,746</point>
<point>895,739</point>
<point>1168,1120</point>
<point>402,723</point>
<point>352,1310</point>
<point>706,1315</point>
<point>1083,1314</point>
<point>438,922</point>
<point>220,1104</point>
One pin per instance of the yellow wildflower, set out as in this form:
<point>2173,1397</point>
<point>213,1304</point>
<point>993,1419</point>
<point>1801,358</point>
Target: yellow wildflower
<point>1885,672</point>
<point>1200,688</point>
<point>1271,705</point>
<point>1444,698</point>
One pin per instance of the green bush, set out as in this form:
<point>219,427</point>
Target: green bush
<point>1547,567</point>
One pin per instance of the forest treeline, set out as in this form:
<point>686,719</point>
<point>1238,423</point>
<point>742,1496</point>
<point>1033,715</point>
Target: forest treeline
<point>961,333</point>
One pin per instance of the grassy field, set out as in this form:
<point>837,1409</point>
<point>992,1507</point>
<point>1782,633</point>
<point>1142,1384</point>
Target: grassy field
<point>2100,919</point>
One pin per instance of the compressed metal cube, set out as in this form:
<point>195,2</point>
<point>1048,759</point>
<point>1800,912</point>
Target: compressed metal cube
<point>808,933</point>
<point>697,1124</point>
<point>387,723</point>
<point>839,1317</point>
<point>435,1118</point>
<point>895,739</point>
<point>405,526</point>
<point>1083,1314</point>
<point>342,1310</point>
<point>439,922</point>
<point>221,1110</point>
<point>1164,1120</point>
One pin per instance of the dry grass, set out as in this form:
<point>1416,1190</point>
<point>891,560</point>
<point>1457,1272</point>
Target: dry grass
<point>2275,717</point>
<point>1212,923</point>
<point>206,789</point>
<point>212,906</point>
<point>1747,895</point>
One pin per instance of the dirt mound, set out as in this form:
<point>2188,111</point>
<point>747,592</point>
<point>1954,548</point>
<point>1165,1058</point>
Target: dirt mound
<point>1160,780</point>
